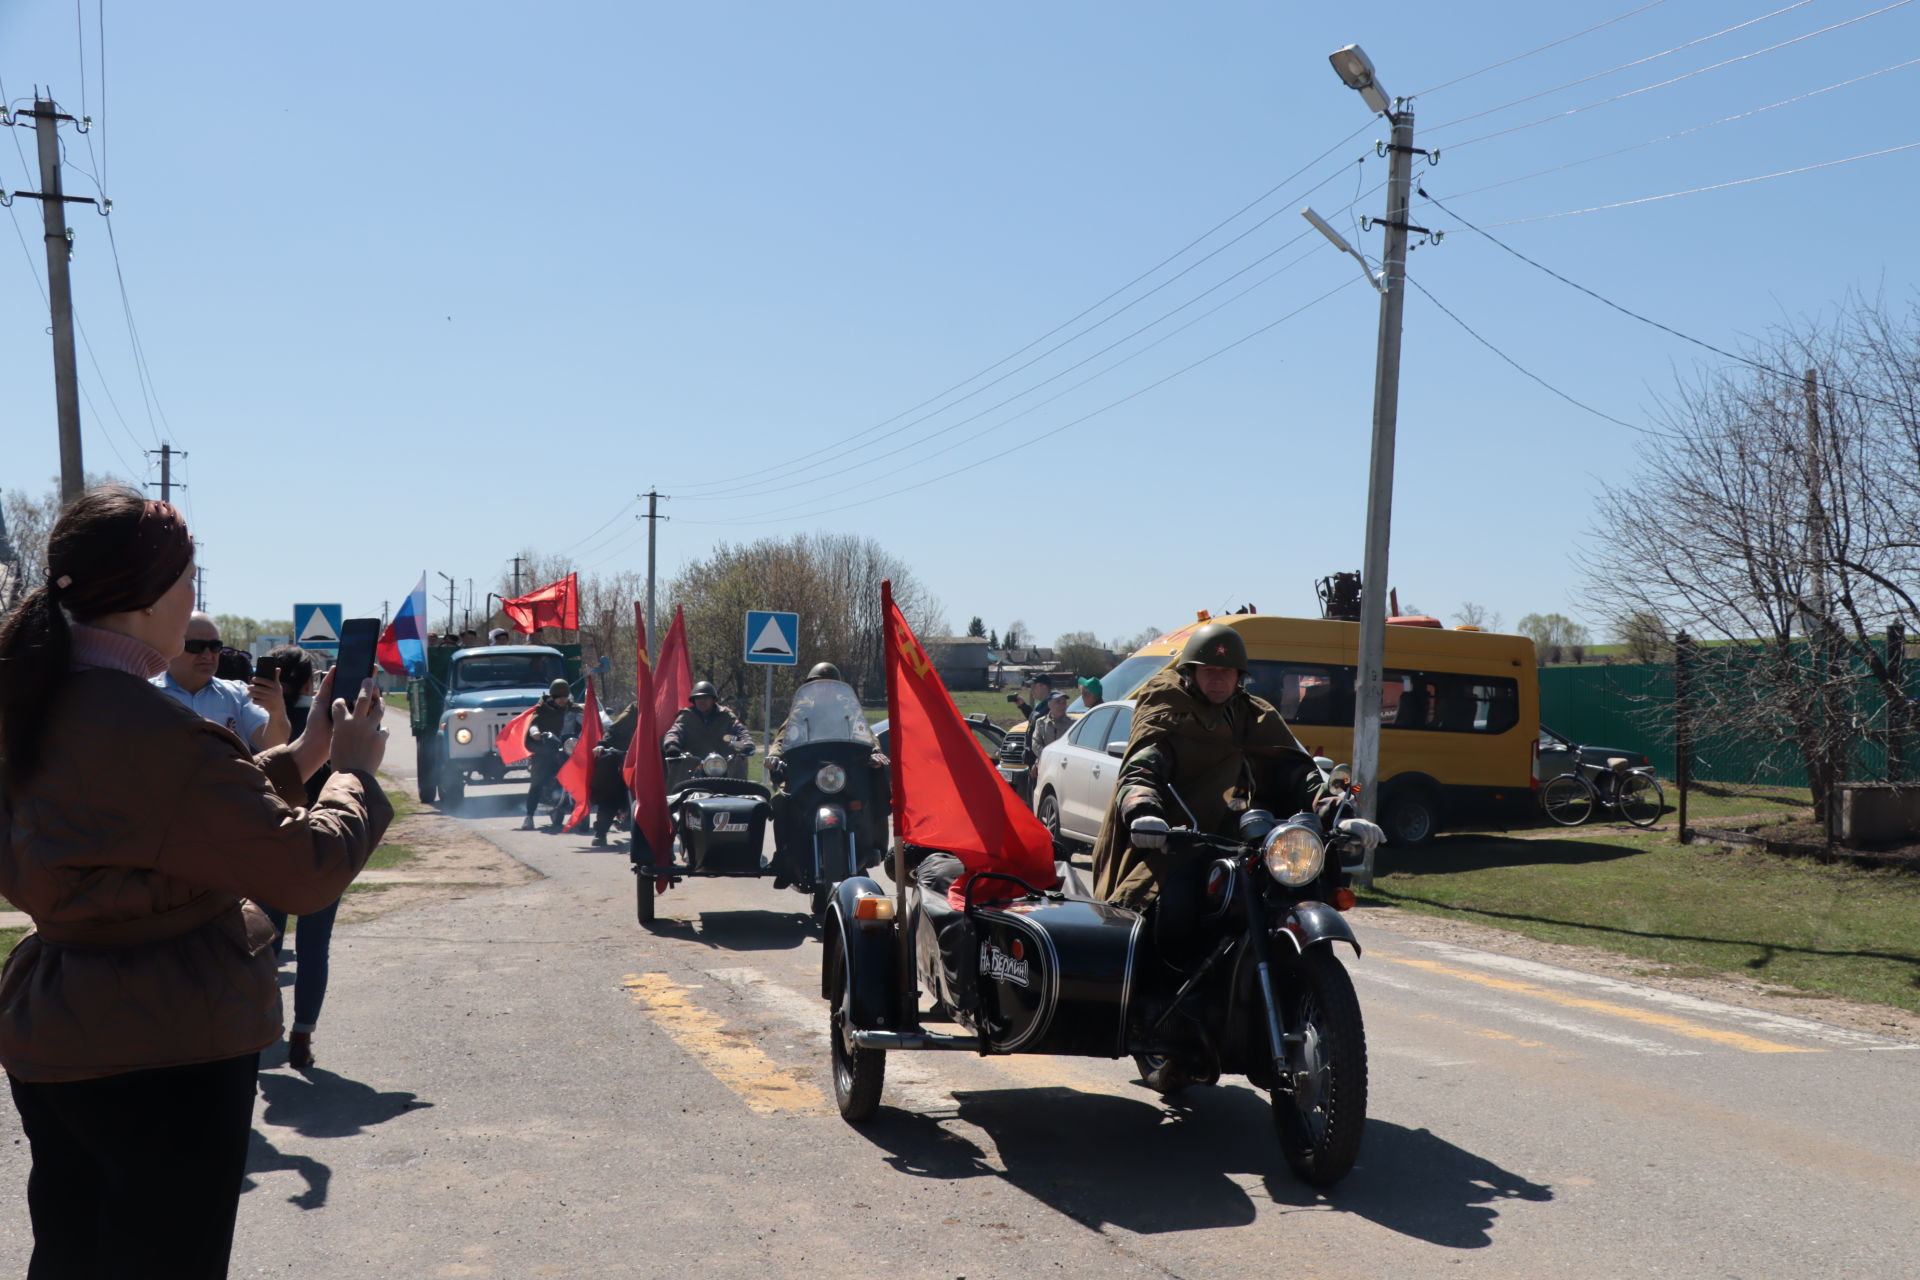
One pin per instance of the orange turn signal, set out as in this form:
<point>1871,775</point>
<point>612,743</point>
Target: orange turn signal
<point>873,908</point>
<point>1343,899</point>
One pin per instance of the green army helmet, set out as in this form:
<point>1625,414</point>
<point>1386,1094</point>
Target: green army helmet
<point>823,671</point>
<point>1214,645</point>
<point>703,689</point>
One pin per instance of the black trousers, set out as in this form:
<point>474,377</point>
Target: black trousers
<point>137,1175</point>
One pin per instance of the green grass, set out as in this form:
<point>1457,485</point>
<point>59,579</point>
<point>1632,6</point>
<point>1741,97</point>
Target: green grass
<point>398,701</point>
<point>402,799</point>
<point>1730,799</point>
<point>9,939</point>
<point>1793,923</point>
<point>391,855</point>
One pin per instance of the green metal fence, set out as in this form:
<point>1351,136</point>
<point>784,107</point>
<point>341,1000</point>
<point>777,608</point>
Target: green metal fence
<point>1631,705</point>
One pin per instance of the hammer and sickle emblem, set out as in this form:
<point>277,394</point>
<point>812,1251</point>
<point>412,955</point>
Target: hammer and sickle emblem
<point>910,650</point>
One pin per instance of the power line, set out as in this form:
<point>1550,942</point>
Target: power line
<point>1631,314</point>
<point>1690,191</point>
<point>1607,155</point>
<point>1170,258</point>
<point>1530,374</point>
<point>1619,97</point>
<point>1637,62</point>
<point>1551,44</point>
<point>1047,435</point>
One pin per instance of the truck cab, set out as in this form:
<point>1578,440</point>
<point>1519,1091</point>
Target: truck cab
<point>467,696</point>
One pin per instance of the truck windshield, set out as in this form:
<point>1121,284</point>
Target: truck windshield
<point>507,671</point>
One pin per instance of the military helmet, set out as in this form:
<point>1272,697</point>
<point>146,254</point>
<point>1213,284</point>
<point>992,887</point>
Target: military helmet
<point>703,689</point>
<point>823,671</point>
<point>559,687</point>
<point>1214,645</point>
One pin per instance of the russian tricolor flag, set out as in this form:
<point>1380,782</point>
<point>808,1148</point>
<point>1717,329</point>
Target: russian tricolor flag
<point>403,645</point>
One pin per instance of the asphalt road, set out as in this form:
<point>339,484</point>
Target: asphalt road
<point>528,1084</point>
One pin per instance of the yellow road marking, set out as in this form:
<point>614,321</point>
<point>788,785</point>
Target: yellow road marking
<point>1484,1033</point>
<point>732,1061</point>
<point>1648,1017</point>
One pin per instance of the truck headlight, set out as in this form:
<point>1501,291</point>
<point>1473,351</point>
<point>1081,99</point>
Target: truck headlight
<point>1295,854</point>
<point>463,736</point>
<point>830,779</point>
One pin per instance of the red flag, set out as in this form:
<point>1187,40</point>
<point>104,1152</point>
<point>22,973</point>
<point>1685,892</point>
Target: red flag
<point>512,742</point>
<point>674,679</point>
<point>645,772</point>
<point>576,775</point>
<point>946,794</point>
<point>555,605</point>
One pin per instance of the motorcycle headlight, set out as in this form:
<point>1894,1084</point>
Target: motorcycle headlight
<point>1294,854</point>
<point>714,766</point>
<point>463,736</point>
<point>830,779</point>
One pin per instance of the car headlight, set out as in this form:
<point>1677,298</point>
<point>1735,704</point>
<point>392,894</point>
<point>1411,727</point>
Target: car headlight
<point>463,736</point>
<point>830,779</point>
<point>1294,854</point>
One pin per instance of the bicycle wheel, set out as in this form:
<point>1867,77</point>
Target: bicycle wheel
<point>1568,799</point>
<point>1641,800</point>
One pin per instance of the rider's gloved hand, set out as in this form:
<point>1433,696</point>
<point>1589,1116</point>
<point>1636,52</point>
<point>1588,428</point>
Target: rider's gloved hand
<point>1367,834</point>
<point>1148,833</point>
<point>747,749</point>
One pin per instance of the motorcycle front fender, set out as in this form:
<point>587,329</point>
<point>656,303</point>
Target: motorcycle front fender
<point>870,955</point>
<point>1313,923</point>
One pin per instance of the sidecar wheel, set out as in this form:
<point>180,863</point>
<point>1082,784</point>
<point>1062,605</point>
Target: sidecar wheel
<point>858,1074</point>
<point>1321,1117</point>
<point>643,895</point>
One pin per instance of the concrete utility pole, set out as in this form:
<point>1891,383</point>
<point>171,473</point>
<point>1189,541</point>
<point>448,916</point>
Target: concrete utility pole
<point>451,589</point>
<point>653,519</point>
<point>167,454</point>
<point>66,381</point>
<point>516,575</point>
<point>1353,67</point>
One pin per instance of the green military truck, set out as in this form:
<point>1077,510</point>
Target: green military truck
<point>459,707</point>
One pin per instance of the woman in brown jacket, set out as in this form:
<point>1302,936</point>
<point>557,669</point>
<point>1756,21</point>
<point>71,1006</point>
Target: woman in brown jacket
<point>137,834</point>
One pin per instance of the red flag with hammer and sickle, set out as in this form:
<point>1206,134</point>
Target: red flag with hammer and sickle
<point>946,794</point>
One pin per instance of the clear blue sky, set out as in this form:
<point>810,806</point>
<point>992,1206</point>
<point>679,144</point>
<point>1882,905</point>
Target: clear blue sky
<point>421,284</point>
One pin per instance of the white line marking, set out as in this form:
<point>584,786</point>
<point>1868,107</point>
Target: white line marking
<point>1518,1013</point>
<point>1778,1023</point>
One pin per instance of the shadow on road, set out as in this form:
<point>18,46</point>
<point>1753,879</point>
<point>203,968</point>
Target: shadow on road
<point>321,1104</point>
<point>1154,1167</point>
<point>737,930</point>
<point>1451,855</point>
<point>264,1157</point>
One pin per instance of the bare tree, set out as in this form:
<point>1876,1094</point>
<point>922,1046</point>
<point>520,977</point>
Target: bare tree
<point>1781,518</point>
<point>1470,614</point>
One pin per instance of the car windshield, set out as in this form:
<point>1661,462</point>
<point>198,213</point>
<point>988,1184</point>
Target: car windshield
<point>1130,675</point>
<point>507,671</point>
<point>825,711</point>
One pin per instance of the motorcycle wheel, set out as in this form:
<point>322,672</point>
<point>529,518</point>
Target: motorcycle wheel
<point>858,1074</point>
<point>821,895</point>
<point>643,895</point>
<point>1321,1118</point>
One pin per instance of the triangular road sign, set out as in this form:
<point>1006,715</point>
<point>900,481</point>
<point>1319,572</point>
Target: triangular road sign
<point>772,640</point>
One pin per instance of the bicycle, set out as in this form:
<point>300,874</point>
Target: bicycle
<point>1572,798</point>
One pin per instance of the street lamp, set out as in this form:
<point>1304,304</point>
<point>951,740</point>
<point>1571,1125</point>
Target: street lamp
<point>1356,70</point>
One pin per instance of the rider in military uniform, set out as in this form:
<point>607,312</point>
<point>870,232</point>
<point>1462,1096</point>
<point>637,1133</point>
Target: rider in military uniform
<point>704,726</point>
<point>785,872</point>
<point>1202,752</point>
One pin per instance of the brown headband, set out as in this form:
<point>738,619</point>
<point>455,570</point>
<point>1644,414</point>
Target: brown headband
<point>127,576</point>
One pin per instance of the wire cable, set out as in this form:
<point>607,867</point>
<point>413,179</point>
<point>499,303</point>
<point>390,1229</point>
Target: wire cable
<point>1649,431</point>
<point>1551,44</point>
<point>1047,435</point>
<point>1690,191</point>
<point>1631,93</point>
<point>1637,62</point>
<point>685,489</point>
<point>1634,315</point>
<point>1618,151</point>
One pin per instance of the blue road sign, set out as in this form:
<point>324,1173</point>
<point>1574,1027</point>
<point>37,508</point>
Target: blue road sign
<point>316,626</point>
<point>773,639</point>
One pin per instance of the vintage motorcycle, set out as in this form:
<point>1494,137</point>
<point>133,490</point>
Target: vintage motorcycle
<point>834,803</point>
<point>1252,986</point>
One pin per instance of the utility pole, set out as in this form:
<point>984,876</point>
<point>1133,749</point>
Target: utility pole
<point>451,585</point>
<point>653,519</point>
<point>1353,67</point>
<point>516,574</point>
<point>66,382</point>
<point>466,618</point>
<point>167,454</point>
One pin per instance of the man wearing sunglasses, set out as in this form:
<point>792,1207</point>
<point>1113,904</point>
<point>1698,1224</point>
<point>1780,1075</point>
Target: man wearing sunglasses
<point>256,712</point>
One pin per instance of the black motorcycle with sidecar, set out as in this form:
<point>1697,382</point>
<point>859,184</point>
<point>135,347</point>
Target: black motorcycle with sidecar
<point>719,824</point>
<point>1250,986</point>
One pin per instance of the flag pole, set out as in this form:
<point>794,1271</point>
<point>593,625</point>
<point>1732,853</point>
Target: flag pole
<point>909,1012</point>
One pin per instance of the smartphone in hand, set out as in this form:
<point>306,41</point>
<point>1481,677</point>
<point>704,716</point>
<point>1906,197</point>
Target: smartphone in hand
<point>266,668</point>
<point>358,638</point>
